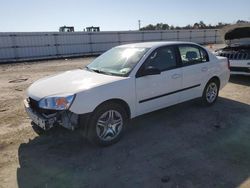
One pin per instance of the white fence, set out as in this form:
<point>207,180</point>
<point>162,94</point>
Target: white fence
<point>45,45</point>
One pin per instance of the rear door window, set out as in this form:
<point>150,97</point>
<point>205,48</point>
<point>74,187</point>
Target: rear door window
<point>192,55</point>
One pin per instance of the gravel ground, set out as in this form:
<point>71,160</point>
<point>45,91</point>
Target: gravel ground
<point>185,145</point>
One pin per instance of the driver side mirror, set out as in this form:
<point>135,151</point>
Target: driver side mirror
<point>150,70</point>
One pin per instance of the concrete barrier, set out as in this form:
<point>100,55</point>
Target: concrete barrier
<point>47,45</point>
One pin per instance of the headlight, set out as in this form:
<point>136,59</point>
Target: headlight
<point>56,102</point>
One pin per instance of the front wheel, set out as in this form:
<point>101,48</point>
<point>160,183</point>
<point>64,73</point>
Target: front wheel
<point>107,124</point>
<point>210,93</point>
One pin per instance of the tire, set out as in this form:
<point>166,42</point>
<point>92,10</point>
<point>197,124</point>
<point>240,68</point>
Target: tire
<point>107,124</point>
<point>211,92</point>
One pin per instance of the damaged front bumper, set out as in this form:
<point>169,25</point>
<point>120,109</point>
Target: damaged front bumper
<point>63,118</point>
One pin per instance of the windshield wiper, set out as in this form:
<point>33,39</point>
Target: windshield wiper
<point>92,70</point>
<point>103,72</point>
<point>95,70</point>
<point>98,71</point>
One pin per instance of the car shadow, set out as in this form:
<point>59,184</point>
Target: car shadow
<point>186,145</point>
<point>240,79</point>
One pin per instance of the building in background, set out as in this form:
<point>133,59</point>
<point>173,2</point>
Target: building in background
<point>92,29</point>
<point>66,29</point>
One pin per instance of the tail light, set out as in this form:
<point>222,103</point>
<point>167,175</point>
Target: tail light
<point>228,63</point>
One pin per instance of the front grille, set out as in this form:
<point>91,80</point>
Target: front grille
<point>34,105</point>
<point>235,55</point>
<point>240,69</point>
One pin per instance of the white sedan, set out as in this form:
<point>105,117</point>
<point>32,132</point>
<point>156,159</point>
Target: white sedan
<point>125,82</point>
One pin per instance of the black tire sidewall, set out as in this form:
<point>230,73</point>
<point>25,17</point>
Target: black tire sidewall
<point>92,134</point>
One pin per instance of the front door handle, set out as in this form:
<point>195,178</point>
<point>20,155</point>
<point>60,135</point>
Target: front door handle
<point>175,76</point>
<point>204,69</point>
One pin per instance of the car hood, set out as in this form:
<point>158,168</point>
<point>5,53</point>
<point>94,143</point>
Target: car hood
<point>69,82</point>
<point>237,34</point>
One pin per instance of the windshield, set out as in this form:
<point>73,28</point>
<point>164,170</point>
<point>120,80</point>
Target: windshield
<point>118,61</point>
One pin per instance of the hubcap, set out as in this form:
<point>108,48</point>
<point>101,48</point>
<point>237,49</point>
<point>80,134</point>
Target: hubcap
<point>211,92</point>
<point>109,125</point>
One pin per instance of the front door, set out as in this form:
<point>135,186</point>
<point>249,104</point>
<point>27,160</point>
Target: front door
<point>160,90</point>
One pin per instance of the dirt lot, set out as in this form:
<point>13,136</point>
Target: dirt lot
<point>186,145</point>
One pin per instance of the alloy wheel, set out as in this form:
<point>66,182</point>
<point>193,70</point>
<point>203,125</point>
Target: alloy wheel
<point>109,125</point>
<point>211,92</point>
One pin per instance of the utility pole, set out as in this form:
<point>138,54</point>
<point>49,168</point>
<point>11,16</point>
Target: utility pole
<point>139,23</point>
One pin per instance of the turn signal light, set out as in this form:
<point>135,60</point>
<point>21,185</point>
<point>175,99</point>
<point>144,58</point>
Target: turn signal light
<point>61,102</point>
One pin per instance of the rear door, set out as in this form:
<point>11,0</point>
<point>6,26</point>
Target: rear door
<point>195,70</point>
<point>158,91</point>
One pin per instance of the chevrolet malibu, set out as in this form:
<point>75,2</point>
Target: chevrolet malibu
<point>125,82</point>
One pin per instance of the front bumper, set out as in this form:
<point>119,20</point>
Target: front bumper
<point>240,67</point>
<point>46,119</point>
<point>240,70</point>
<point>39,120</point>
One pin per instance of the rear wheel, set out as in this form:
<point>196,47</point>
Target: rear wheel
<point>211,92</point>
<point>107,124</point>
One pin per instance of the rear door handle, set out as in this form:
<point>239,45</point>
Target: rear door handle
<point>175,76</point>
<point>204,69</point>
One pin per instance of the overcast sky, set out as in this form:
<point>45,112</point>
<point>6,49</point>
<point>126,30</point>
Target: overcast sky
<point>49,15</point>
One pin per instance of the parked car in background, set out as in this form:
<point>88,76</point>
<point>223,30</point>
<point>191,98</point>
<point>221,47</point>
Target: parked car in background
<point>125,82</point>
<point>238,48</point>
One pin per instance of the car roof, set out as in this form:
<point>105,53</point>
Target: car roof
<point>153,44</point>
